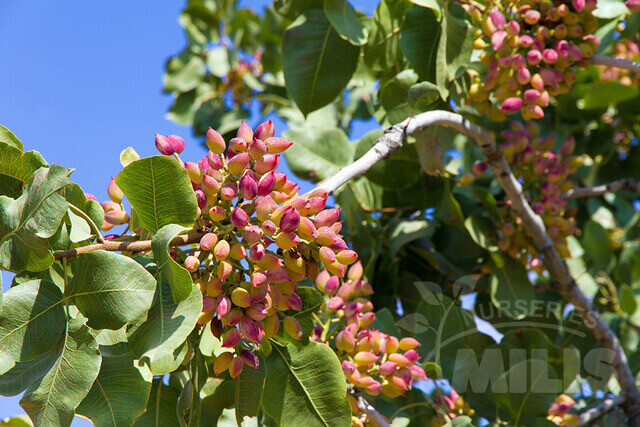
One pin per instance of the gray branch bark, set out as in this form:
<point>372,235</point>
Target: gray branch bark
<point>563,282</point>
<point>630,185</point>
<point>610,61</point>
<point>590,415</point>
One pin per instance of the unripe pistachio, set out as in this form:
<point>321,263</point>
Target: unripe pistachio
<point>233,317</point>
<point>270,262</point>
<point>327,217</point>
<point>248,187</point>
<point>498,40</point>
<point>270,325</point>
<point>345,341</point>
<point>221,250</point>
<point>289,221</point>
<point>231,338</point>
<point>256,252</point>
<point>215,142</point>
<point>241,297</point>
<point>265,207</point>
<point>164,145</point>
<point>195,172</point>
<point>245,132</point>
<point>277,145</point>
<point>116,217</point>
<point>264,131</point>
<point>239,217</point>
<point>217,213</point>
<point>287,241</point>
<point>192,263</point>
<point>236,367</point>
<point>222,362</point>
<point>208,241</point>
<point>238,252</point>
<point>114,192</point>
<point>365,358</point>
<point>267,163</point>
<point>292,327</point>
<point>511,105</point>
<point>347,257</point>
<point>633,5</point>
<point>238,145</point>
<point>293,301</point>
<point>266,184</point>
<point>176,142</point>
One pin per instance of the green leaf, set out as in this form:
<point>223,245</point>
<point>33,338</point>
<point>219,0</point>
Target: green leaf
<point>306,386</point>
<point>119,394</point>
<point>177,276</point>
<point>16,168</point>
<point>419,38</point>
<point>383,46</point>
<point>601,94</point>
<point>53,399</point>
<point>422,95</point>
<point>218,61</point>
<point>8,137</point>
<point>430,4</point>
<point>128,156</point>
<point>110,289</point>
<point>249,385</point>
<point>482,231</point>
<point>218,396</point>
<point>318,153</point>
<point>317,62</point>
<point>399,171</point>
<point>394,93</point>
<point>157,338</point>
<point>408,231</point>
<point>628,301</point>
<point>345,21</point>
<point>23,374</point>
<point>27,223</point>
<point>184,72</point>
<point>455,45</point>
<point>75,196</point>
<point>80,229</point>
<point>160,191</point>
<point>161,408</point>
<point>529,391</point>
<point>19,421</point>
<point>31,321</point>
<point>628,269</point>
<point>510,286</point>
<point>431,144</point>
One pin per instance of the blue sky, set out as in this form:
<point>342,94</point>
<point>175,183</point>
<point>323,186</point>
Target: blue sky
<point>82,80</point>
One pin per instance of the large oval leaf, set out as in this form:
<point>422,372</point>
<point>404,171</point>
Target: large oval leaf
<point>119,395</point>
<point>178,277</point>
<point>161,408</point>
<point>8,137</point>
<point>317,62</point>
<point>110,289</point>
<point>160,191</point>
<point>157,340</point>
<point>249,385</point>
<point>345,21</point>
<point>318,153</point>
<point>27,223</point>
<point>16,168</point>
<point>31,321</point>
<point>306,386</point>
<point>52,400</point>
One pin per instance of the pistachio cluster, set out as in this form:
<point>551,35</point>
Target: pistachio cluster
<point>449,407</point>
<point>262,238</point>
<point>529,47</point>
<point>114,213</point>
<point>545,177</point>
<point>627,49</point>
<point>559,411</point>
<point>372,361</point>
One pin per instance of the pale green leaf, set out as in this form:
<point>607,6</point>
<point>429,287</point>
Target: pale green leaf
<point>53,399</point>
<point>17,168</point>
<point>318,153</point>
<point>157,339</point>
<point>177,276</point>
<point>306,386</point>
<point>110,289</point>
<point>128,156</point>
<point>80,229</point>
<point>8,137</point>
<point>383,46</point>
<point>160,191</point>
<point>27,223</point>
<point>119,394</point>
<point>32,320</point>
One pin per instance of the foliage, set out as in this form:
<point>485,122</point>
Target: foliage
<point>241,290</point>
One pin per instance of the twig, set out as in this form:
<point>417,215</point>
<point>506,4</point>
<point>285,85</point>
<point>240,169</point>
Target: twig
<point>629,184</point>
<point>611,61</point>
<point>563,282</point>
<point>141,245</point>
<point>86,217</point>
<point>600,411</point>
<point>376,418</point>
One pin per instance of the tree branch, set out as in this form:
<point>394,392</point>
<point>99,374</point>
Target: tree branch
<point>376,418</point>
<point>563,282</point>
<point>610,61</point>
<point>140,245</point>
<point>600,411</point>
<point>629,184</point>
